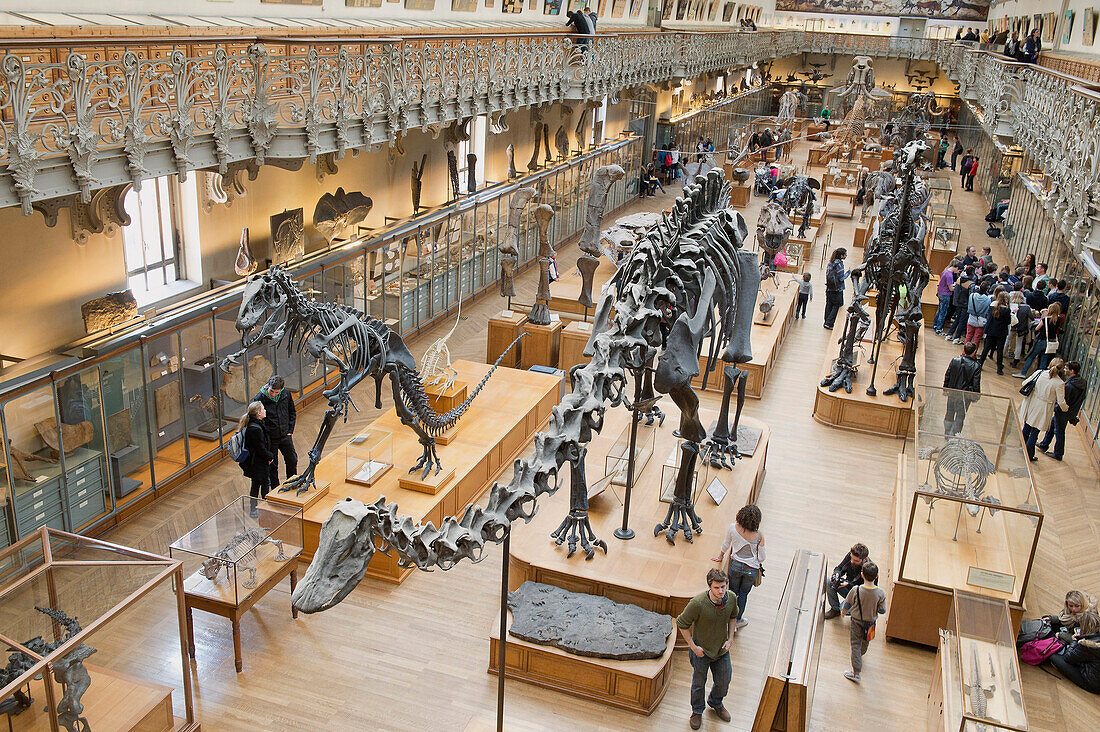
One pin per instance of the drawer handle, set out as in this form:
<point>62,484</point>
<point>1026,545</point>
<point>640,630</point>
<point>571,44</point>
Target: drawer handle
<point>37,505</point>
<point>81,493</point>
<point>81,481</point>
<point>83,505</point>
<point>40,516</point>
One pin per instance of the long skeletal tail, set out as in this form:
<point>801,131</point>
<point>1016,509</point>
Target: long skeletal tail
<point>412,392</point>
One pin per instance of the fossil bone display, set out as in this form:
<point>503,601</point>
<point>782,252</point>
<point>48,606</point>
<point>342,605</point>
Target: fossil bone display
<point>456,132</point>
<point>287,236</point>
<point>471,173</point>
<point>111,309</point>
<point>789,104</point>
<point>694,251</point>
<point>510,152</point>
<point>877,185</point>
<point>337,214</point>
<point>773,228</point>
<point>860,84</point>
<point>242,550</point>
<point>273,310</point>
<point>233,381</point>
<point>509,244</point>
<point>72,435</point>
<point>540,309</point>
<point>245,263</point>
<point>538,127</point>
<point>800,195</point>
<point>561,142</point>
<point>978,694</point>
<point>589,243</point>
<point>416,178</point>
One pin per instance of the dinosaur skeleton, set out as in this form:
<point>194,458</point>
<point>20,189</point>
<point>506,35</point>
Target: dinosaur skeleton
<point>893,263</point>
<point>273,309</point>
<point>241,548</point>
<point>962,469</point>
<point>687,276</point>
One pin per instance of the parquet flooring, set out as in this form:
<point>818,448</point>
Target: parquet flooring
<point>414,656</point>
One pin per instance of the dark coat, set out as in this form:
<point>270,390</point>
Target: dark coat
<point>996,327</point>
<point>846,574</point>
<point>1076,389</point>
<point>281,414</point>
<point>1035,300</point>
<point>259,450</point>
<point>963,373</point>
<point>1084,653</point>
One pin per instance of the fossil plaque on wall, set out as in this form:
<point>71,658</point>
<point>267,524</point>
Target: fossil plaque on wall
<point>288,240</point>
<point>167,400</point>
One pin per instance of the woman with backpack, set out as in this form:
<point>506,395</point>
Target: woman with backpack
<point>1080,661</point>
<point>996,331</point>
<point>259,457</point>
<point>977,312</point>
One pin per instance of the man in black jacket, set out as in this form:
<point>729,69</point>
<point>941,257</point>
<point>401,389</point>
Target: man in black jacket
<point>581,25</point>
<point>964,374</point>
<point>1076,389</point>
<point>845,576</point>
<point>279,426</point>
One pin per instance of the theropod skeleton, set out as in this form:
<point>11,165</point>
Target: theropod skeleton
<point>273,309</point>
<point>681,274</point>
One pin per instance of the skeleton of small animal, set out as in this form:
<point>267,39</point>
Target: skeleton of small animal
<point>360,346</point>
<point>241,549</point>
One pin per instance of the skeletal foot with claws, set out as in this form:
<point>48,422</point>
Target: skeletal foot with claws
<point>428,459</point>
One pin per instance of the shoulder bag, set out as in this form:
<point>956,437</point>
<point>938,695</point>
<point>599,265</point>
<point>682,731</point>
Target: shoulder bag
<point>859,602</point>
<point>1052,343</point>
<point>760,572</point>
<point>1029,383</point>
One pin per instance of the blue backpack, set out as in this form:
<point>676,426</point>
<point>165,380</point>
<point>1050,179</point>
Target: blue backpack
<point>236,447</point>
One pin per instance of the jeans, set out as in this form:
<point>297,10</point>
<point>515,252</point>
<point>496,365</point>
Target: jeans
<point>833,593</point>
<point>956,414</point>
<point>801,308</point>
<point>1031,435</point>
<point>741,579</point>
<point>992,344</point>
<point>958,330</point>
<point>1057,431</point>
<point>857,634</point>
<point>974,334</point>
<point>969,182</point>
<point>259,487</point>
<point>721,669</point>
<point>942,311</point>
<point>834,301</point>
<point>954,161</point>
<point>1038,350</point>
<point>285,445</point>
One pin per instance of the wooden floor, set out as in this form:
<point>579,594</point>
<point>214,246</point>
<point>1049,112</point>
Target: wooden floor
<point>414,656</point>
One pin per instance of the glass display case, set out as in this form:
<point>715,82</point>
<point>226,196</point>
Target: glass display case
<point>976,684</point>
<point>940,189</point>
<point>93,637</point>
<point>368,456</point>
<point>238,549</point>
<point>971,514</point>
<point>670,468</point>
<point>617,459</point>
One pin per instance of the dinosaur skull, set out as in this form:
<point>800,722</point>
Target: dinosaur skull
<point>343,551</point>
<point>262,295</point>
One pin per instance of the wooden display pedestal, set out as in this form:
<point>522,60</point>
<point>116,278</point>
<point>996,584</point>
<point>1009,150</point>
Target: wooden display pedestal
<point>840,202</point>
<point>114,702</point>
<point>871,161</point>
<point>795,265</point>
<point>432,483</point>
<point>929,303</point>
<point>767,338</point>
<point>444,400</point>
<point>740,194</point>
<point>542,344</point>
<point>818,156</point>
<point>303,501</point>
<point>505,327</point>
<point>859,239</point>
<point>644,571</point>
<point>564,292</point>
<point>880,414</point>
<point>939,259</point>
<point>574,337</point>
<point>498,425</point>
<point>636,686</point>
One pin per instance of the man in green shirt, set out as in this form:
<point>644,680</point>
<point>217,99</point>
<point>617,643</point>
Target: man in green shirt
<point>709,616</point>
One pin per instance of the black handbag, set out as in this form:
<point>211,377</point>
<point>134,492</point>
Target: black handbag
<point>1029,384</point>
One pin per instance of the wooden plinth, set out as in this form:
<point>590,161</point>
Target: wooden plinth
<point>542,344</point>
<point>645,570</point>
<point>859,239</point>
<point>574,337</point>
<point>495,429</point>
<point>740,194</point>
<point>221,597</point>
<point>431,483</point>
<point>840,201</point>
<point>114,702</point>
<point>817,155</point>
<point>767,338</point>
<point>871,161</point>
<point>795,265</point>
<point>636,686</point>
<point>444,400</point>
<point>303,501</point>
<point>939,258</point>
<point>929,303</point>
<point>565,291</point>
<point>501,332</point>
<point>880,414</point>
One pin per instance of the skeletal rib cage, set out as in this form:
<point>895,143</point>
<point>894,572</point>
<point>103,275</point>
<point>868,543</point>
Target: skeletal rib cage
<point>359,343</point>
<point>661,280</point>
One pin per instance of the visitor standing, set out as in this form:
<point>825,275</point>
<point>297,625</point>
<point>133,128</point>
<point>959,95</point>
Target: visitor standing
<point>581,26</point>
<point>744,548</point>
<point>1042,280</point>
<point>279,426</point>
<point>1029,264</point>
<point>996,331</point>
<point>964,166</point>
<point>1058,295</point>
<point>943,293</point>
<point>1076,388</point>
<point>835,274</point>
<point>1047,392</point>
<point>1012,48</point>
<point>1045,345</point>
<point>256,465</point>
<point>941,155</point>
<point>1032,47</point>
<point>977,312</point>
<point>592,18</point>
<point>805,294</point>
<point>987,257</point>
<point>865,602</point>
<point>970,257</point>
<point>845,576</point>
<point>963,378</point>
<point>960,298</point>
<point>971,172</point>
<point>1020,324</point>
<point>709,615</point>
<point>956,151</point>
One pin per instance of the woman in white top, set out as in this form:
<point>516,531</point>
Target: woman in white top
<point>1038,406</point>
<point>744,546</point>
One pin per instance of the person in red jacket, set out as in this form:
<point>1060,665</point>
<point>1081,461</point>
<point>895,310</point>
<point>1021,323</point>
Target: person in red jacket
<point>971,172</point>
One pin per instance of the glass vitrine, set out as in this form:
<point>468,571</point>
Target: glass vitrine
<point>368,456</point>
<point>202,404</point>
<point>95,637</point>
<point>164,393</point>
<point>972,516</point>
<point>616,463</point>
<point>129,431</point>
<point>85,480</point>
<point>237,549</point>
<point>976,685</point>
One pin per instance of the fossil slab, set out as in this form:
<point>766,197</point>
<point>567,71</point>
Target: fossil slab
<point>111,309</point>
<point>586,625</point>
